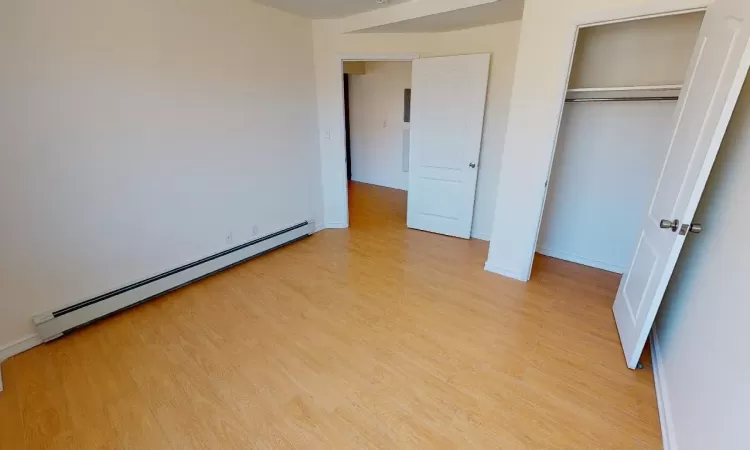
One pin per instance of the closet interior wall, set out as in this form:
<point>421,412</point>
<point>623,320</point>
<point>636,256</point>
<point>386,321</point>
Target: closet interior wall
<point>609,154</point>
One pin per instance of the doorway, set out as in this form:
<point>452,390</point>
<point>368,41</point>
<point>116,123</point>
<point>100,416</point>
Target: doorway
<point>718,66</point>
<point>425,144</point>
<point>347,126</point>
<point>624,85</point>
<point>377,137</point>
<point>623,92</point>
<point>378,133</point>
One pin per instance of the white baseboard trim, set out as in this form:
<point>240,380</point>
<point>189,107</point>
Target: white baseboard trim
<point>581,260</point>
<point>21,345</point>
<point>495,268</point>
<point>319,227</point>
<point>336,225</point>
<point>16,347</point>
<point>662,396</point>
<point>481,236</point>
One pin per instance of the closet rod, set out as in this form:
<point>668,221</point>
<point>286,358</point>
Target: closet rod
<point>621,99</point>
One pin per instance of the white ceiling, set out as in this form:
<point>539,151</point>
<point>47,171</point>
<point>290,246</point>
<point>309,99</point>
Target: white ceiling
<point>477,16</point>
<point>327,9</point>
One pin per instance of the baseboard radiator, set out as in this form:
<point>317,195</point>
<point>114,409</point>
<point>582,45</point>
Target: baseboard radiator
<point>54,324</point>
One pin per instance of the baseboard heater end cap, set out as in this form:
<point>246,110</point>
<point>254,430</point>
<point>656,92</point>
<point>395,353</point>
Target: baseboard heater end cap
<point>39,320</point>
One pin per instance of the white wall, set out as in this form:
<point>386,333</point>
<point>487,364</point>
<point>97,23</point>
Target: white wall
<point>501,40</point>
<point>135,134</point>
<point>609,155</point>
<point>607,162</point>
<point>376,117</point>
<point>644,52</point>
<point>702,328</point>
<point>546,47</point>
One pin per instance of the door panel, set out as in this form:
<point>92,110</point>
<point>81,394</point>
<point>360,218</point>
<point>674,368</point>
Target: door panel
<point>448,100</point>
<point>717,72</point>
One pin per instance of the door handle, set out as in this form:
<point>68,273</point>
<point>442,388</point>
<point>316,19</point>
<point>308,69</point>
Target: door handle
<point>694,228</point>
<point>673,224</point>
<point>473,165</point>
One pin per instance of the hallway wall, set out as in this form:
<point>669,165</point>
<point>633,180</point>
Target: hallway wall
<point>376,116</point>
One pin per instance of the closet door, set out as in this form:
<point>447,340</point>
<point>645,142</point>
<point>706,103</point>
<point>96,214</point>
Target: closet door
<point>718,69</point>
<point>448,98</point>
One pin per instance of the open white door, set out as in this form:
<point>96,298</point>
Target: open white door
<point>447,117</point>
<point>718,69</point>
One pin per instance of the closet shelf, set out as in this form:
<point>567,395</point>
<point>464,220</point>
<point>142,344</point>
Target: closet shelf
<point>665,92</point>
<point>663,87</point>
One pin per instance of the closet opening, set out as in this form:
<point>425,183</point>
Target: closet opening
<point>625,82</point>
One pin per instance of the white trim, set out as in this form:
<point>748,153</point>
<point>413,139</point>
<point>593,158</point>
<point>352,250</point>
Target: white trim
<point>336,225</point>
<point>339,148</point>
<point>319,226</point>
<point>662,396</point>
<point>641,12</point>
<point>495,268</point>
<point>481,236</point>
<point>561,102</point>
<point>17,347</point>
<point>379,56</point>
<point>581,260</point>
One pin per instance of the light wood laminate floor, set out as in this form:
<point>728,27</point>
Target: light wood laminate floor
<point>372,337</point>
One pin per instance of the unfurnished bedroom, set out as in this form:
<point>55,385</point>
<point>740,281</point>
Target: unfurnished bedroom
<point>374,224</point>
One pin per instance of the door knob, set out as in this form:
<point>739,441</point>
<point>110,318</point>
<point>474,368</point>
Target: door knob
<point>673,224</point>
<point>695,228</point>
<point>472,165</point>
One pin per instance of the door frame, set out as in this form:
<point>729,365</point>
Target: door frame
<point>348,127</point>
<point>599,19</point>
<point>340,147</point>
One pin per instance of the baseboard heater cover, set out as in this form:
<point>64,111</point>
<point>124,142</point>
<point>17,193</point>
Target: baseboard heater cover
<point>54,324</point>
